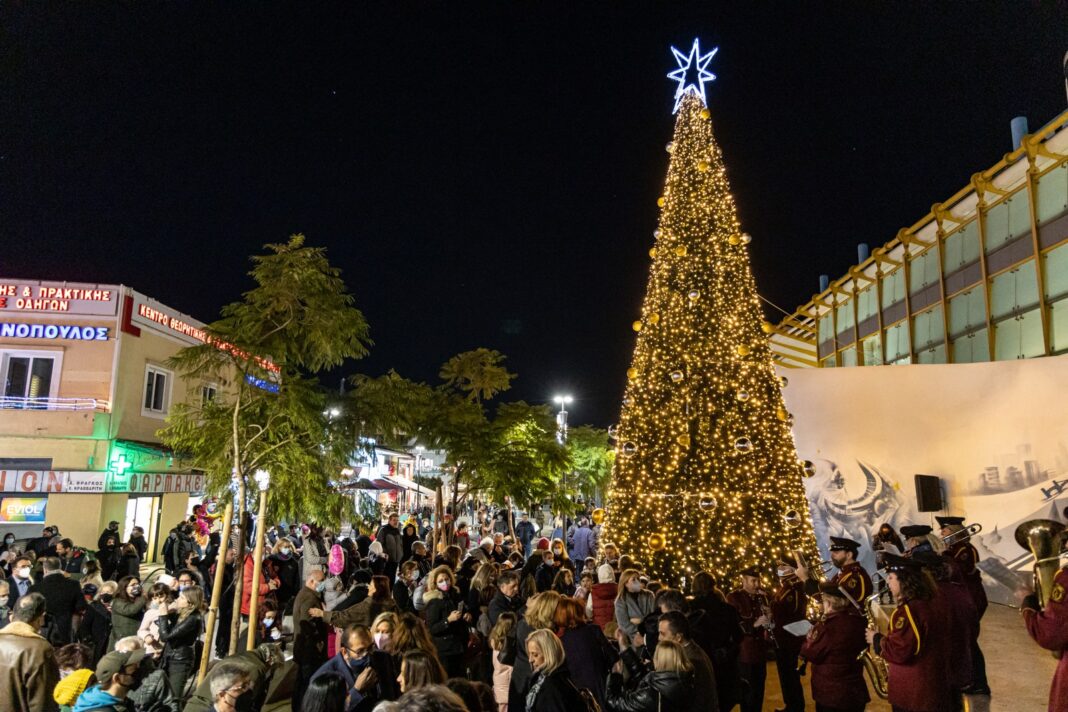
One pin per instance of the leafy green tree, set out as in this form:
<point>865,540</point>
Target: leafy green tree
<point>479,374</point>
<point>592,458</point>
<point>297,320</point>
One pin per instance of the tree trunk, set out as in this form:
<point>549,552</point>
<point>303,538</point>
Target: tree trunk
<point>511,520</point>
<point>216,592</point>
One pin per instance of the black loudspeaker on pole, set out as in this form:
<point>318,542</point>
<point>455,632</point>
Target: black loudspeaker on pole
<point>928,493</point>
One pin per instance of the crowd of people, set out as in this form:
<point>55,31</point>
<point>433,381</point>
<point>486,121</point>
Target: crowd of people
<point>413,618</point>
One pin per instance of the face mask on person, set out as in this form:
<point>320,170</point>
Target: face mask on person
<point>285,551</point>
<point>268,622</point>
<point>634,586</point>
<point>9,540</point>
<point>557,550</point>
<point>135,590</point>
<point>136,679</point>
<point>381,640</point>
<point>106,598</point>
<point>358,664</point>
<point>184,587</point>
<point>245,702</point>
<point>443,585</point>
<point>23,573</point>
<point>321,587</point>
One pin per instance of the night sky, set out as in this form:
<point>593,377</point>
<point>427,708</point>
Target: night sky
<point>485,174</point>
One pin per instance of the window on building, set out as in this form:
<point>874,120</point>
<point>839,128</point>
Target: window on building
<point>923,270</point>
<point>828,362</point>
<point>1007,220</point>
<point>872,348</point>
<point>30,378</point>
<point>1019,336</point>
<point>1055,271</point>
<point>971,348</point>
<point>207,393</point>
<point>1052,192</point>
<point>1014,290</point>
<point>967,312</point>
<point>843,314</point>
<point>825,327</point>
<point>849,356</point>
<point>897,342</point>
<point>933,354</point>
<point>927,329</point>
<point>961,248</point>
<point>893,287</point>
<point>1058,326</point>
<point>157,399</point>
<point>867,303</point>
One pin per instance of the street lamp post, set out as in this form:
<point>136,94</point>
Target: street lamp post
<point>263,481</point>
<point>561,437</point>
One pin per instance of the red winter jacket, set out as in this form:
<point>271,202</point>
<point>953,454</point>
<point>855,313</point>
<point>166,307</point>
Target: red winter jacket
<point>246,591</point>
<point>604,602</point>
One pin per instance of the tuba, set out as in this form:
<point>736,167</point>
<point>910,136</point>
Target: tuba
<point>1043,538</point>
<point>875,666</point>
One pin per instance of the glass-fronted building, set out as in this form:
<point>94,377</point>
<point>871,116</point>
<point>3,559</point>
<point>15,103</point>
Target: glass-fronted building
<point>983,276</point>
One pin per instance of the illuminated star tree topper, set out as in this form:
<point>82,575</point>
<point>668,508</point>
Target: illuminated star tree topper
<point>692,62</point>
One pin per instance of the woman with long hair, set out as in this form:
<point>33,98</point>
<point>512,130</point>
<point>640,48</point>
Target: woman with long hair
<point>180,626</point>
<point>325,693</point>
<point>419,669</point>
<point>550,688</point>
<point>668,687</point>
<point>561,555</point>
<point>411,633</point>
<point>127,609</point>
<point>404,586</point>
<point>379,600</point>
<point>285,568</point>
<point>539,615</point>
<point>501,642</point>
<point>720,625</point>
<point>316,552</point>
<point>382,628</point>
<point>633,603</point>
<point>95,627</point>
<point>585,646</point>
<point>446,619</point>
<point>917,642</point>
<point>109,557</point>
<point>564,582</point>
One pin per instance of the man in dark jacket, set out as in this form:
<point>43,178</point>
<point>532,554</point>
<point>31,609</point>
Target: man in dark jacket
<point>137,538</point>
<point>368,673</point>
<point>507,597</point>
<point>674,627</point>
<point>42,545</point>
<point>64,601</point>
<point>20,581</point>
<point>28,670</point>
<point>71,557</point>
<point>310,633</point>
<point>525,532</point>
<point>112,530</point>
<point>389,534</point>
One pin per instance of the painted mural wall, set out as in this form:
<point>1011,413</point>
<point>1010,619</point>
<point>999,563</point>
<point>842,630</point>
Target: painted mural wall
<point>996,433</point>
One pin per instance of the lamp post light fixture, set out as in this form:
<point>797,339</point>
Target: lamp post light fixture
<point>263,481</point>
<point>561,437</point>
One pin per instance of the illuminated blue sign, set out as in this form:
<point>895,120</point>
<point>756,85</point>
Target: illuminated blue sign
<point>262,383</point>
<point>53,331</point>
<point>693,61</point>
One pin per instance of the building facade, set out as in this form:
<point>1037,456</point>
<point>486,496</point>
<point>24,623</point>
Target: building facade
<point>86,388</point>
<point>982,277</point>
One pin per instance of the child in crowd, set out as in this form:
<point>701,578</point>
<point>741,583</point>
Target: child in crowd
<point>502,641</point>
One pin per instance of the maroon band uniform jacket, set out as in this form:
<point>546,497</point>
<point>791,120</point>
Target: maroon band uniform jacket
<point>966,558</point>
<point>750,607</point>
<point>788,605</point>
<point>1049,628</point>
<point>855,580</point>
<point>916,649</point>
<point>831,648</point>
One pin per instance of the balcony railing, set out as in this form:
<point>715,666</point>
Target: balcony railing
<point>68,404</point>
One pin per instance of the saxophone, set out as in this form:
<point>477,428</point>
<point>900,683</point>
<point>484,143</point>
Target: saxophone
<point>874,666</point>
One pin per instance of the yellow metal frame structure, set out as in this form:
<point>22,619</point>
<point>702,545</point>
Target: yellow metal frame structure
<point>795,340</point>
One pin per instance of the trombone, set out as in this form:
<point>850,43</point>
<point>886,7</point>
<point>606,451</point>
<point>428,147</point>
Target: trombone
<point>962,534</point>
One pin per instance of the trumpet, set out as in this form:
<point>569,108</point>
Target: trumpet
<point>962,534</point>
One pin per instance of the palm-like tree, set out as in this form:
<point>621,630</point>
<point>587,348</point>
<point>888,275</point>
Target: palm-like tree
<point>480,374</point>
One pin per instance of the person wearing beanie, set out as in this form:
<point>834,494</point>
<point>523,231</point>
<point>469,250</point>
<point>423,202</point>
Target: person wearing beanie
<point>603,595</point>
<point>71,687</point>
<point>543,543</point>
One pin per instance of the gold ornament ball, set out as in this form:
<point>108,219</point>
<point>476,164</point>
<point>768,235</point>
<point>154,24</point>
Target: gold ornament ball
<point>629,449</point>
<point>734,240</point>
<point>808,468</point>
<point>656,234</point>
<point>707,504</point>
<point>657,541</point>
<point>781,414</point>
<point>654,318</point>
<point>637,326</point>
<point>670,146</point>
<point>597,516</point>
<point>792,518</point>
<point>684,440</point>
<point>613,431</point>
<point>746,238</point>
<point>680,250</point>
<point>676,376</point>
<point>743,350</point>
<point>702,166</point>
<point>706,114</point>
<point>766,327</point>
<point>693,295</point>
<point>652,252</point>
<point>632,373</point>
<point>661,201</point>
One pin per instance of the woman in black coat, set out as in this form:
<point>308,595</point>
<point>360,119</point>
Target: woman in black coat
<point>549,688</point>
<point>95,627</point>
<point>408,537</point>
<point>109,556</point>
<point>446,622</point>
<point>667,688</point>
<point>180,626</point>
<point>129,562</point>
<point>589,654</point>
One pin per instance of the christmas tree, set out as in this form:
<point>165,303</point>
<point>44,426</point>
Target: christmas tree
<point>706,475</point>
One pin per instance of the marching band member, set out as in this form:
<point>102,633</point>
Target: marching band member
<point>917,538</point>
<point>752,605</point>
<point>832,648</point>
<point>851,575</point>
<point>965,558</point>
<point>917,646</point>
<point>1049,628</point>
<point>963,620</point>
<point>788,605</point>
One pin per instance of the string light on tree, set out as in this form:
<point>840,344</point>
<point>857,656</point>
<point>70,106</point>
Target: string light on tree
<point>707,476</point>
